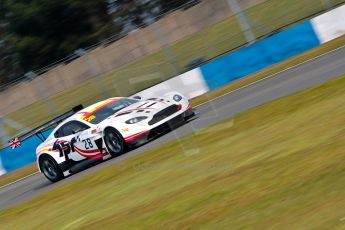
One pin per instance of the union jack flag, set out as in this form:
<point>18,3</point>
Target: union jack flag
<point>14,143</point>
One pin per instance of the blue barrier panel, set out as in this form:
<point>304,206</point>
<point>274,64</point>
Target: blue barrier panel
<point>13,159</point>
<point>257,56</point>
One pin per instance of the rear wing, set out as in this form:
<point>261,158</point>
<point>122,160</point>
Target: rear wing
<point>40,129</point>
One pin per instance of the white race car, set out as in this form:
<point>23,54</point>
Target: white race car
<point>106,129</point>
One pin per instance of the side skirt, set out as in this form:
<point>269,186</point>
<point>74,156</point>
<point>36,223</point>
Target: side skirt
<point>71,167</point>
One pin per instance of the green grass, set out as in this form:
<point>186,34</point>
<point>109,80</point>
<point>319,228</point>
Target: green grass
<point>210,42</point>
<point>276,166</point>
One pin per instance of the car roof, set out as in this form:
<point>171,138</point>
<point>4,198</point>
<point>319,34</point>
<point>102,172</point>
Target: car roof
<point>79,115</point>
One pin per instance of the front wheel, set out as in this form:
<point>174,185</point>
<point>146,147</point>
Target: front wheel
<point>114,142</point>
<point>51,169</point>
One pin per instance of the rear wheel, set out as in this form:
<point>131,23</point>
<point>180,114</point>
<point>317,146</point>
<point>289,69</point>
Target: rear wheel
<point>114,142</point>
<point>50,169</point>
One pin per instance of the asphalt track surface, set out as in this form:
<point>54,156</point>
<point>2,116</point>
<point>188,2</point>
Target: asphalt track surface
<point>308,74</point>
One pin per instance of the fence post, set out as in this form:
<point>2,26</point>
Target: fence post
<point>40,86</point>
<point>3,134</point>
<point>85,56</point>
<point>327,4</point>
<point>242,20</point>
<point>94,70</point>
<point>166,48</point>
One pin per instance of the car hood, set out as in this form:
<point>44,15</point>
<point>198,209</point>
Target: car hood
<point>143,108</point>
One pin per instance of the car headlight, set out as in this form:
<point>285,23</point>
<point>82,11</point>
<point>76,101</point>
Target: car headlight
<point>135,120</point>
<point>177,98</point>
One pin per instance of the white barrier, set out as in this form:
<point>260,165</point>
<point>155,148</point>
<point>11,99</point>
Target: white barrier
<point>330,25</point>
<point>2,170</point>
<point>191,84</point>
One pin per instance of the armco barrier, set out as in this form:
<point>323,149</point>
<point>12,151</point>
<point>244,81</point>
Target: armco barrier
<point>223,70</point>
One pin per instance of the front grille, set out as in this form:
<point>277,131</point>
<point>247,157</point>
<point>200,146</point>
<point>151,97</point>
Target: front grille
<point>164,114</point>
<point>166,127</point>
<point>160,129</point>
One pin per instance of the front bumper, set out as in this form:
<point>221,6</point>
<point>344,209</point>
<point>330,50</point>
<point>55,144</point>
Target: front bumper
<point>143,137</point>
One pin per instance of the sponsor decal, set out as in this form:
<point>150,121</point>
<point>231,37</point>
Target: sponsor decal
<point>89,115</point>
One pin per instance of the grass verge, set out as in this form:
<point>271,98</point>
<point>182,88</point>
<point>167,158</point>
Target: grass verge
<point>276,166</point>
<point>17,174</point>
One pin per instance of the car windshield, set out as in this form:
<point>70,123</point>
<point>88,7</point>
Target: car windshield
<point>102,113</point>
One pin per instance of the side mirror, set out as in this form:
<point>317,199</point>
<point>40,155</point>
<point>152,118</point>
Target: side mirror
<point>137,97</point>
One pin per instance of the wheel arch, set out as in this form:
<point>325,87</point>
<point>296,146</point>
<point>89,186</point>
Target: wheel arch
<point>113,128</point>
<point>55,170</point>
<point>117,130</point>
<point>41,157</point>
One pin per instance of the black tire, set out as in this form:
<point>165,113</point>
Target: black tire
<point>114,142</point>
<point>50,169</point>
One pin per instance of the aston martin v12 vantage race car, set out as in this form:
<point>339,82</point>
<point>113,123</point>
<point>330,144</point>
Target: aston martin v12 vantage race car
<point>104,130</point>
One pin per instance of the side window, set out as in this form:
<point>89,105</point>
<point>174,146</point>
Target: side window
<point>70,128</point>
<point>58,133</point>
